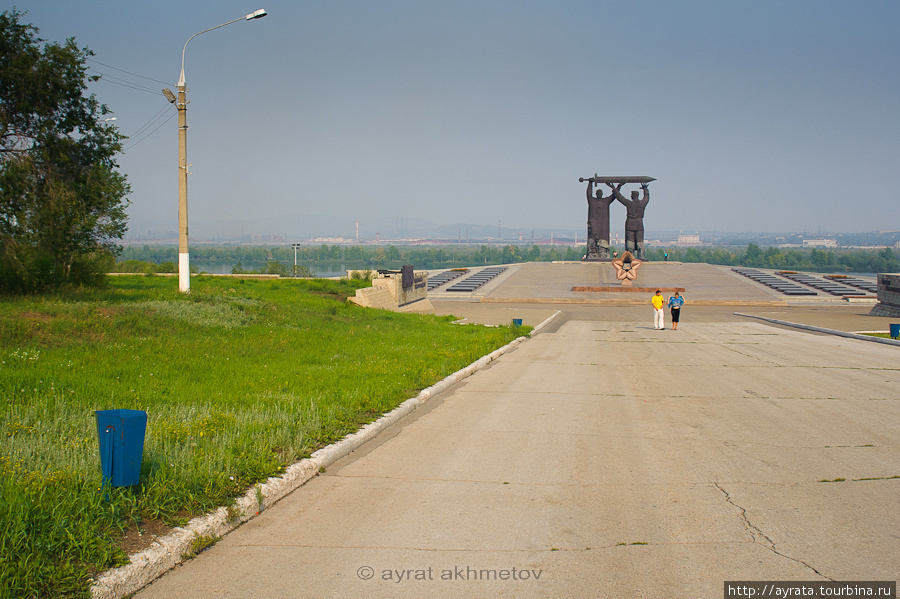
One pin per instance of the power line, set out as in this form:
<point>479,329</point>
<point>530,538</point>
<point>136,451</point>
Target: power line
<point>131,145</point>
<point>142,133</point>
<point>128,84</point>
<point>149,123</point>
<point>129,72</point>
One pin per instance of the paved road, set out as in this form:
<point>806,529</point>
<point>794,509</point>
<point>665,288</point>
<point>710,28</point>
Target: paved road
<point>601,459</point>
<point>851,318</point>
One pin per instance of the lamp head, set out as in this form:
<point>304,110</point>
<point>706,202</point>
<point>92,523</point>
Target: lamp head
<point>257,14</point>
<point>169,95</point>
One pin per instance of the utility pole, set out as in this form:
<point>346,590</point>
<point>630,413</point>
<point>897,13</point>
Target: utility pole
<point>184,272</point>
<point>184,266</point>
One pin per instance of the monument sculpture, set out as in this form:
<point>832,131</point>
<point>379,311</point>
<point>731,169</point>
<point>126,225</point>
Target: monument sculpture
<point>626,268</point>
<point>598,215</point>
<point>634,221</point>
<point>598,223</point>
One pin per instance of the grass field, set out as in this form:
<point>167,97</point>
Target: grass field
<point>239,379</point>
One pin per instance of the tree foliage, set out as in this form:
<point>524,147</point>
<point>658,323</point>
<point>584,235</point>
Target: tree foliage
<point>62,201</point>
<point>257,258</point>
<point>816,260</point>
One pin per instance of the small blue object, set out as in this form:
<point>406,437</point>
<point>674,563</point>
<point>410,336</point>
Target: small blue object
<point>895,331</point>
<point>517,322</point>
<point>121,436</point>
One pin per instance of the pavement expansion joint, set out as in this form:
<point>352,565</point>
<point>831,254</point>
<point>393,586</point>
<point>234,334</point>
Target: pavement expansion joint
<point>758,534</point>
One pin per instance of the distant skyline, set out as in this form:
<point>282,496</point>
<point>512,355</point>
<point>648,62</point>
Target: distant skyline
<point>766,116</point>
<point>418,232</point>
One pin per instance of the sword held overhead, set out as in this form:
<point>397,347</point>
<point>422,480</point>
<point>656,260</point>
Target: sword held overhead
<point>596,179</point>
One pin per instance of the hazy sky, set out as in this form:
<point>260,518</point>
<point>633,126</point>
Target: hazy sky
<point>779,115</point>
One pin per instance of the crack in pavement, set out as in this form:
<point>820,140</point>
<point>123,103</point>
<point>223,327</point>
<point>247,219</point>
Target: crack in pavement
<point>758,534</point>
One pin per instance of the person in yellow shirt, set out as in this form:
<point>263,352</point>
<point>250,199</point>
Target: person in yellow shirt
<point>658,315</point>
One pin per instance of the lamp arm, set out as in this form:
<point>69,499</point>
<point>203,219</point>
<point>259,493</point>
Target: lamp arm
<point>181,78</point>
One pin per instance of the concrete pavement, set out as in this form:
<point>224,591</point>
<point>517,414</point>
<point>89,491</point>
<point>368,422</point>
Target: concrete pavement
<point>601,458</point>
<point>704,284</point>
<point>848,317</point>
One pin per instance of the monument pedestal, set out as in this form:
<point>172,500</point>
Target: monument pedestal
<point>888,296</point>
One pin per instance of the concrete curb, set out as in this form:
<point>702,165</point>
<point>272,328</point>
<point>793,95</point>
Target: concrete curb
<point>167,552</point>
<point>807,327</point>
<point>545,323</point>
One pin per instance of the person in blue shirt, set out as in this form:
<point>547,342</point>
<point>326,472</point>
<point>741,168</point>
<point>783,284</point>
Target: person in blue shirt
<point>675,303</point>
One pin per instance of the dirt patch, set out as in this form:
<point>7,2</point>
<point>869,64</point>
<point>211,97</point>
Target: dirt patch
<point>139,537</point>
<point>36,316</point>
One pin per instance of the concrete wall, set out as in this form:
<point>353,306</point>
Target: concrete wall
<point>416,292</point>
<point>387,292</point>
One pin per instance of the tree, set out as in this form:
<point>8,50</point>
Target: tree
<point>274,267</point>
<point>393,253</point>
<point>754,256</point>
<point>887,261</point>
<point>818,257</point>
<point>693,255</point>
<point>510,254</point>
<point>62,201</point>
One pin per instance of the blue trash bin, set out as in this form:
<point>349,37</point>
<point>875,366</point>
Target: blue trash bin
<point>895,331</point>
<point>517,322</point>
<point>121,436</point>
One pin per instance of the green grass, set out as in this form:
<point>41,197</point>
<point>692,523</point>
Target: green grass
<point>239,379</point>
<point>199,544</point>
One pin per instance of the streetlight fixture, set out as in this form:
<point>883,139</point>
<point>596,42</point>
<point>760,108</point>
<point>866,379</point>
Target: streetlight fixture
<point>184,271</point>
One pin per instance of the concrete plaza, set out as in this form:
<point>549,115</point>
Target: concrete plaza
<point>603,458</point>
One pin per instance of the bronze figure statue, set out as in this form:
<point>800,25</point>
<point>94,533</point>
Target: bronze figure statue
<point>634,221</point>
<point>598,215</point>
<point>598,223</point>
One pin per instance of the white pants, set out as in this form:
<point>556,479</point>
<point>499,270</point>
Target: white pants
<point>659,319</point>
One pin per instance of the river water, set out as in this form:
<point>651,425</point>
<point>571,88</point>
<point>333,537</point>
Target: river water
<point>221,268</point>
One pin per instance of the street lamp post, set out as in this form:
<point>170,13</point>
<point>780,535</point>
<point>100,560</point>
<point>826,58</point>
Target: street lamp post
<point>180,101</point>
